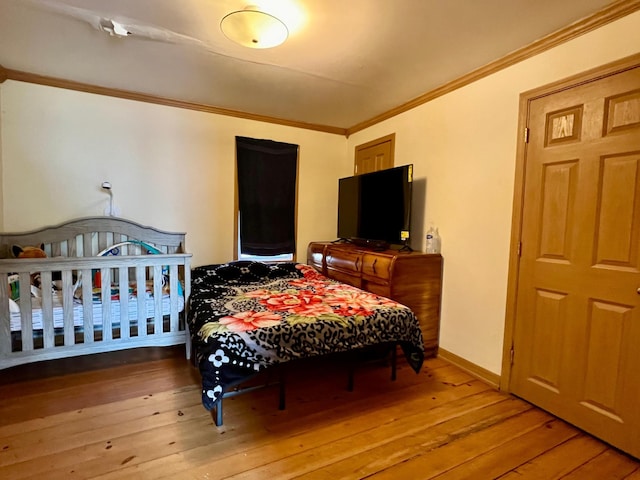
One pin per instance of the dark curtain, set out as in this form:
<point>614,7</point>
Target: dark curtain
<point>267,173</point>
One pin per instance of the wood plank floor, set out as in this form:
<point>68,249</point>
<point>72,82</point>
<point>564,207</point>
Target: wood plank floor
<point>139,418</point>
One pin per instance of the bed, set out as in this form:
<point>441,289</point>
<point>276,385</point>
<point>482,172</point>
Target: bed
<point>246,317</point>
<point>106,284</point>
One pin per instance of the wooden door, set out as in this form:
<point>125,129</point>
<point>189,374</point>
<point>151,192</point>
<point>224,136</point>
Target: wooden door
<point>375,155</point>
<point>576,338</point>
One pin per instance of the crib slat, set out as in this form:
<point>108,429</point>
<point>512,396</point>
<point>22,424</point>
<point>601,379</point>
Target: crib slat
<point>187,279</point>
<point>87,304</point>
<point>87,243</point>
<point>26,321</point>
<point>67,307</point>
<point>173,292</point>
<point>48,335</point>
<point>72,251</point>
<point>103,242</point>
<point>5,316</point>
<point>157,297</point>
<point>127,249</point>
<point>55,250</point>
<point>78,246</point>
<point>107,331</point>
<point>141,290</point>
<point>187,293</point>
<point>123,284</point>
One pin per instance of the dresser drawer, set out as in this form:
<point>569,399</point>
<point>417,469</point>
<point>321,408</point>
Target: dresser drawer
<point>377,288</point>
<point>344,277</point>
<point>344,260</point>
<point>377,266</point>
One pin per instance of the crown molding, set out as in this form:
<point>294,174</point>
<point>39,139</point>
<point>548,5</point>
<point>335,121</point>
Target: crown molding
<point>20,76</point>
<point>615,11</point>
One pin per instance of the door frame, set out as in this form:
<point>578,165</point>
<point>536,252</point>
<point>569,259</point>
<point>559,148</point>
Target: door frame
<point>526,98</point>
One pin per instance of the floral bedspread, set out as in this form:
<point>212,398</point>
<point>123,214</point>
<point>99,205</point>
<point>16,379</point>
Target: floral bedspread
<point>246,316</point>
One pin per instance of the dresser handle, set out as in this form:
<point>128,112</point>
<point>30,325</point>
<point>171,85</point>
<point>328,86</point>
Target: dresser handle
<point>373,265</point>
<point>357,262</point>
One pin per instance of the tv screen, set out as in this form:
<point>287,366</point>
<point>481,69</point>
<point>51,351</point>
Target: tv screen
<point>376,206</point>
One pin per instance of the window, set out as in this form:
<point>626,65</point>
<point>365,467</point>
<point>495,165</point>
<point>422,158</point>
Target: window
<point>266,199</point>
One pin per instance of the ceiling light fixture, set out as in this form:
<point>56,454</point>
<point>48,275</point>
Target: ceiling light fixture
<point>254,29</point>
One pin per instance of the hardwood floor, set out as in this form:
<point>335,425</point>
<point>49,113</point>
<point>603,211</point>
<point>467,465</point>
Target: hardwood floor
<point>143,419</point>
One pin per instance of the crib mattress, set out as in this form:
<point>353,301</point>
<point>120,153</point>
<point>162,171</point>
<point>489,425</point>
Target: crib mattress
<point>97,308</point>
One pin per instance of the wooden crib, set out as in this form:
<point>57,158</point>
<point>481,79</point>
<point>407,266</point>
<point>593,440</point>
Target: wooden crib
<point>107,284</point>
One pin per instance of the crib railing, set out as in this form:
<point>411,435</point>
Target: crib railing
<point>64,322</point>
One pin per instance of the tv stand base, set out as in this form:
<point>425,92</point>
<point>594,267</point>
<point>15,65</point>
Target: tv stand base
<point>372,244</point>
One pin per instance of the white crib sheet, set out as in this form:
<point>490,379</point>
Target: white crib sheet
<point>78,311</point>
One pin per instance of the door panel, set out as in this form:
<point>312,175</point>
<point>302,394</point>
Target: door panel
<point>605,323</point>
<point>558,198</point>
<point>577,326</point>
<point>375,155</point>
<point>618,220</point>
<point>546,339</point>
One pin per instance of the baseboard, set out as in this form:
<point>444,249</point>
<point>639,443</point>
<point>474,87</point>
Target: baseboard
<point>480,373</point>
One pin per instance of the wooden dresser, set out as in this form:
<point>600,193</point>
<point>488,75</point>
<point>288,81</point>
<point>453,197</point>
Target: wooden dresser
<point>411,278</point>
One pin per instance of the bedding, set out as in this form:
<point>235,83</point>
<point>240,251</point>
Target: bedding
<point>96,302</point>
<point>247,316</point>
<point>78,310</point>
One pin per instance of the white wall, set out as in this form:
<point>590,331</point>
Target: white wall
<point>464,146</point>
<point>169,168</point>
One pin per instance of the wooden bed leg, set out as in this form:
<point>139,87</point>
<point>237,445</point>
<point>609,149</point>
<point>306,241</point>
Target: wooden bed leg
<point>394,358</point>
<point>216,413</point>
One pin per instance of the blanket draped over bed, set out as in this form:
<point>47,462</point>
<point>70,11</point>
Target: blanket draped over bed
<point>247,316</point>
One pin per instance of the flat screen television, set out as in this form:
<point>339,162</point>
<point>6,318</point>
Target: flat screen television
<point>376,206</point>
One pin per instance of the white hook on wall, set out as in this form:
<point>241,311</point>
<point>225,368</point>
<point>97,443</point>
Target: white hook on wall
<point>111,210</point>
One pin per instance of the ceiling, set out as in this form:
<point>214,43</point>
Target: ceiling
<point>345,61</point>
